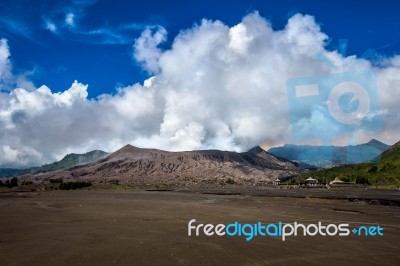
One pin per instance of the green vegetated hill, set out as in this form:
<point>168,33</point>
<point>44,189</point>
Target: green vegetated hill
<point>383,171</point>
<point>67,162</point>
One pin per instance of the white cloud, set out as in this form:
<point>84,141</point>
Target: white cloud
<point>8,80</point>
<point>238,38</point>
<point>15,27</point>
<point>51,26</point>
<point>189,137</point>
<point>70,19</point>
<point>5,65</point>
<point>217,87</point>
<point>65,21</point>
<point>20,157</point>
<point>146,50</point>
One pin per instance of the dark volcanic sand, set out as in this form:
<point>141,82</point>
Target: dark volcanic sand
<point>150,228</point>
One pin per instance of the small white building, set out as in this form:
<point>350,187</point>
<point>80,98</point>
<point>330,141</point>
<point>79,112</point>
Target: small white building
<point>276,182</point>
<point>311,182</point>
<point>339,183</point>
<point>336,181</point>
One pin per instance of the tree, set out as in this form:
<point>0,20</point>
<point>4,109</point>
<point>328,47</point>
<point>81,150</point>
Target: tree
<point>74,185</point>
<point>362,180</point>
<point>14,182</point>
<point>10,183</point>
<point>373,169</point>
<point>345,179</point>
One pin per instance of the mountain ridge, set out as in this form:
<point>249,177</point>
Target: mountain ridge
<point>140,166</point>
<point>310,156</point>
<point>68,161</point>
<point>383,170</point>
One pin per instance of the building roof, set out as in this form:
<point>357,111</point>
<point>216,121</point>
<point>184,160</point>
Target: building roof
<point>311,179</point>
<point>336,181</point>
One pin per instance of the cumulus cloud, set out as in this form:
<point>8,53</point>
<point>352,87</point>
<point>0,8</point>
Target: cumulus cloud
<point>5,65</point>
<point>216,87</point>
<point>8,79</point>
<point>146,49</point>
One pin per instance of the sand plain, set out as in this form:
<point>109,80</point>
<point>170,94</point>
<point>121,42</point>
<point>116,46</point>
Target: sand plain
<point>137,227</point>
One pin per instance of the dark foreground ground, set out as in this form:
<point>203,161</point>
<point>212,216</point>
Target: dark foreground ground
<point>150,228</point>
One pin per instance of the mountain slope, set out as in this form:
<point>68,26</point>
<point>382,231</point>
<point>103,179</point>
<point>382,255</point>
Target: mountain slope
<point>383,171</point>
<point>6,172</point>
<point>257,150</point>
<point>327,156</point>
<point>191,168</point>
<point>68,161</point>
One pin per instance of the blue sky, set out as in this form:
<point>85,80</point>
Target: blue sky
<point>80,75</point>
<point>95,47</point>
